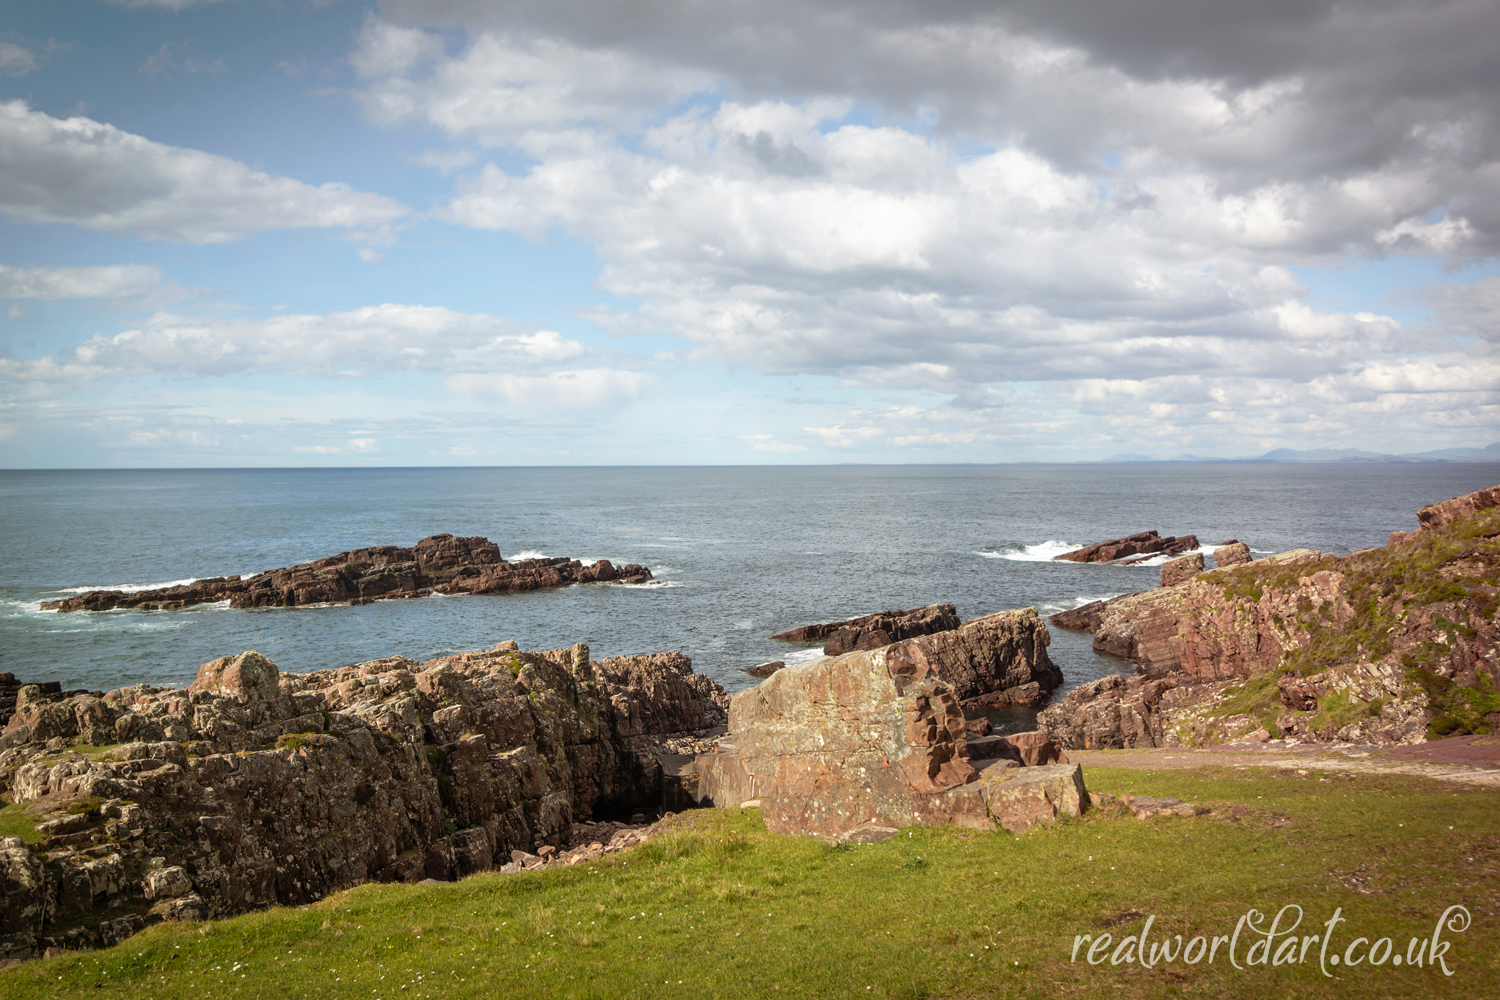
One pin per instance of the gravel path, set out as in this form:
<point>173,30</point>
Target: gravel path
<point>1471,760</point>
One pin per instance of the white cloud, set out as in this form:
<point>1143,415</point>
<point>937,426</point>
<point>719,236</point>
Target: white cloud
<point>587,388</point>
<point>94,175</point>
<point>16,60</point>
<point>367,342</point>
<point>111,281</point>
<point>444,162</point>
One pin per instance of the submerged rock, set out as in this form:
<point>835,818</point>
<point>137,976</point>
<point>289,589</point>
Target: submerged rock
<point>441,564</point>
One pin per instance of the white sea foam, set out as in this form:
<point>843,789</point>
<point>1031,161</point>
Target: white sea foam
<point>1053,607</point>
<point>1160,558</point>
<point>24,607</point>
<point>802,656</point>
<point>649,585</point>
<point>1040,552</point>
<point>129,588</point>
<point>528,554</point>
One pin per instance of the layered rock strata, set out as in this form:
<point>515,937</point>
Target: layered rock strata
<point>1387,645</point>
<point>251,787</point>
<point>874,631</point>
<point>1181,569</point>
<point>1131,548</point>
<point>441,564</point>
<point>854,747</point>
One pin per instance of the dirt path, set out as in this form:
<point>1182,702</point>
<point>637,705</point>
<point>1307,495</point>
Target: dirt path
<point>1471,760</point>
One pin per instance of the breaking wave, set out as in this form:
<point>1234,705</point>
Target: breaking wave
<point>1040,552</point>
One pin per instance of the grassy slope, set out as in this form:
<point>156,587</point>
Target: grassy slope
<point>721,908</point>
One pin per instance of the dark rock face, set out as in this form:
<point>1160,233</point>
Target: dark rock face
<point>251,787</point>
<point>441,564</point>
<point>765,670</point>
<point>1145,545</point>
<point>991,662</point>
<point>874,631</point>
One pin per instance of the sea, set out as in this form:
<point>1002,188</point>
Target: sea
<point>738,553</point>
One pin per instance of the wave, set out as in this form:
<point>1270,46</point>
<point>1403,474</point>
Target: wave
<point>1045,608</point>
<point>648,585</point>
<point>1040,552</point>
<point>1157,560</point>
<point>129,588</point>
<point>527,554</point>
<point>801,656</point>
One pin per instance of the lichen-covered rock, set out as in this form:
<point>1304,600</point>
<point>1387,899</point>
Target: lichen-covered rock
<point>253,787</point>
<point>854,746</point>
<point>1386,645</point>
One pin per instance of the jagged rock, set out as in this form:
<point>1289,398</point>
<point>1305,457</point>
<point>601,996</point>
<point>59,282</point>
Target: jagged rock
<point>1232,553</point>
<point>764,670</point>
<point>874,631</point>
<point>850,747</point>
<point>994,661</point>
<point>1147,543</point>
<point>261,788</point>
<point>1181,569</point>
<point>1419,619</point>
<point>441,564</point>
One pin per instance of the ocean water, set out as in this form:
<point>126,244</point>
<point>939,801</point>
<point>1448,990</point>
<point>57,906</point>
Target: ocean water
<point>739,553</point>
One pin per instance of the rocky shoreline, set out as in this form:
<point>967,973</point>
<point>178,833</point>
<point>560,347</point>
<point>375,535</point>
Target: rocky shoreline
<point>439,564</point>
<point>1392,645</point>
<point>252,788</point>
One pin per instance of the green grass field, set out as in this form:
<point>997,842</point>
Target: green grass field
<point>719,907</point>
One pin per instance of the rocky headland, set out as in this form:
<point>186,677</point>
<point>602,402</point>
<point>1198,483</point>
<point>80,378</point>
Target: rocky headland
<point>1383,646</point>
<point>440,564</point>
<point>252,787</point>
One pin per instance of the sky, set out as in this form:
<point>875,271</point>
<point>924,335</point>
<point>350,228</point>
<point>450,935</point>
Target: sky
<point>515,232</point>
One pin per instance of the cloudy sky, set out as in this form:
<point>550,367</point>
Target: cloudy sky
<point>523,232</point>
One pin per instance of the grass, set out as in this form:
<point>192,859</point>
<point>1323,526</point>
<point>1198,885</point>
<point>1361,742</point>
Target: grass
<point>719,907</point>
<point>15,821</point>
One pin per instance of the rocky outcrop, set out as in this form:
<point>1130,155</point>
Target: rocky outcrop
<point>1386,645</point>
<point>874,631</point>
<point>252,787</point>
<point>1181,569</point>
<point>441,564</point>
<point>764,670</point>
<point>854,747</point>
<point>1231,553</point>
<point>993,662</point>
<point>1440,515</point>
<point>1132,548</point>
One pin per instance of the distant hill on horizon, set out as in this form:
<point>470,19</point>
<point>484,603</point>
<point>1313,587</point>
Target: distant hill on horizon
<point>1489,453</point>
